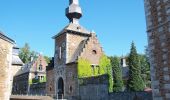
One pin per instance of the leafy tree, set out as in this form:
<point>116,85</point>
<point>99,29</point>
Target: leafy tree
<point>33,55</point>
<point>47,59</point>
<point>105,68</point>
<point>24,53</point>
<point>135,82</point>
<point>117,74</point>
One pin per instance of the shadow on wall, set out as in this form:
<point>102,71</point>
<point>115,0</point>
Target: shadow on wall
<point>131,96</point>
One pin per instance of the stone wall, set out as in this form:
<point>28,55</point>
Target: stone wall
<point>130,96</point>
<point>15,69</point>
<point>71,84</point>
<point>5,69</point>
<point>20,84</point>
<point>158,30</point>
<point>94,88</point>
<point>50,84</point>
<point>38,89</point>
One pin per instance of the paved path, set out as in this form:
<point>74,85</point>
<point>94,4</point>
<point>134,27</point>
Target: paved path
<point>24,97</point>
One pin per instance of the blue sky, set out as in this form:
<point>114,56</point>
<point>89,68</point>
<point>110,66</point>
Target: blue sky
<point>116,22</point>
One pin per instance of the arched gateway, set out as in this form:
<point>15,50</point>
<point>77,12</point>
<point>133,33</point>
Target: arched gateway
<point>60,92</point>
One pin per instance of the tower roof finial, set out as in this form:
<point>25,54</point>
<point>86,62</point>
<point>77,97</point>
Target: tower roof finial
<point>73,12</point>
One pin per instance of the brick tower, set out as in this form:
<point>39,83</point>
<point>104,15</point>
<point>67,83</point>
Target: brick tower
<point>158,29</point>
<point>71,43</point>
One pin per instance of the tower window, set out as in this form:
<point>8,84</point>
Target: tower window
<point>94,52</point>
<point>59,53</point>
<point>71,89</point>
<point>78,28</point>
<point>50,89</point>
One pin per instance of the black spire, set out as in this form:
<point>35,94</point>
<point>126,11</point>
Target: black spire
<point>73,12</point>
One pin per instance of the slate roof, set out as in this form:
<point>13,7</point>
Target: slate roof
<point>24,69</point>
<point>15,58</point>
<point>32,66</point>
<point>4,37</point>
<point>78,29</point>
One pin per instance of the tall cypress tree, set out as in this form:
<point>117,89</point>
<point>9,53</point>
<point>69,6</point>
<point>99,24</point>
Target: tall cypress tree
<point>117,74</point>
<point>135,82</point>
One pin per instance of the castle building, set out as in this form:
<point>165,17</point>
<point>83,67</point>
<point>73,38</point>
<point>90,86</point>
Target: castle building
<point>16,64</point>
<point>32,73</point>
<point>10,63</point>
<point>50,84</point>
<point>72,43</point>
<point>6,45</point>
<point>158,30</point>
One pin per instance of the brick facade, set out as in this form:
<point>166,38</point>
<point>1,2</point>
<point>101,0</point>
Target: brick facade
<point>158,29</point>
<point>72,43</point>
<point>92,50</point>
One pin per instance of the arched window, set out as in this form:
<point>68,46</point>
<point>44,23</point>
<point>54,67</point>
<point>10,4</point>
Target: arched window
<point>50,88</point>
<point>40,67</point>
<point>94,52</point>
<point>71,89</point>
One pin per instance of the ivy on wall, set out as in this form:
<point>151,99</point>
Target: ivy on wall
<point>86,70</point>
<point>34,80</point>
<point>105,68</point>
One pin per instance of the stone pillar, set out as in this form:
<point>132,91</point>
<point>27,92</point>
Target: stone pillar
<point>158,28</point>
<point>5,69</point>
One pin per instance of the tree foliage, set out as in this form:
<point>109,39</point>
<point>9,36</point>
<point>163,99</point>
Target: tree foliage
<point>35,80</point>
<point>135,82</point>
<point>47,59</point>
<point>117,74</point>
<point>24,53</point>
<point>145,69</point>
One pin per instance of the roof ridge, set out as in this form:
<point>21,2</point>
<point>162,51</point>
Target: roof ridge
<point>73,28</point>
<point>88,40</point>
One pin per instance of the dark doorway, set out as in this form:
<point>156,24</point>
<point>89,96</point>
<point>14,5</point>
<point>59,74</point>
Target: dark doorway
<point>60,88</point>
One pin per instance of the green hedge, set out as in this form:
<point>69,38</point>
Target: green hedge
<point>34,80</point>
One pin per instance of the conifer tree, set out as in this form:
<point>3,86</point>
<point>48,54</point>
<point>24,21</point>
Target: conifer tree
<point>135,82</point>
<point>117,74</point>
